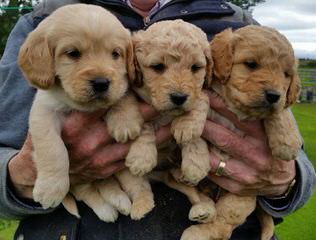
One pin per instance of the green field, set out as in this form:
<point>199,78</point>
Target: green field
<point>301,224</point>
<point>298,226</point>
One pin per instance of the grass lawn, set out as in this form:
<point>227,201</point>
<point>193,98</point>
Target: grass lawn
<point>301,224</point>
<point>298,226</point>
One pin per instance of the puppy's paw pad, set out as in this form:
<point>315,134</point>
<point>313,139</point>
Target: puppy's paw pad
<point>184,131</point>
<point>50,193</point>
<point>202,212</point>
<point>106,213</point>
<point>141,206</point>
<point>125,132</point>
<point>123,204</point>
<point>141,159</point>
<point>193,233</point>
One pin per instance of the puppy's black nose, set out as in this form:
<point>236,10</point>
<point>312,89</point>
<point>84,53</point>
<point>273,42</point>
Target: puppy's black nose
<point>272,96</point>
<point>178,98</point>
<point>100,85</point>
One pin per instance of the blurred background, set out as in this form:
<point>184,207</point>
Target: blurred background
<point>296,19</point>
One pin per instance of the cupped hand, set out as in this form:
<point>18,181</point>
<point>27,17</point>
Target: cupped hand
<point>93,153</point>
<point>250,168</point>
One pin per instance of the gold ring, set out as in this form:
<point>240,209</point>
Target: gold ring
<point>220,169</point>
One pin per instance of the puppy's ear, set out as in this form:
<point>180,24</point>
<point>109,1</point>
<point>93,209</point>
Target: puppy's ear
<point>222,53</point>
<point>209,67</point>
<point>294,90</point>
<point>137,81</point>
<point>36,59</point>
<point>130,62</point>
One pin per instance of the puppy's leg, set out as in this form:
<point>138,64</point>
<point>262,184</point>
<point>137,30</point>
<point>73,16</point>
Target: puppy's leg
<point>50,156</point>
<point>88,193</point>
<point>142,156</point>
<point>203,208</point>
<point>283,135</point>
<point>139,190</point>
<point>232,211</point>
<point>112,193</point>
<point>190,126</point>
<point>195,161</point>
<point>124,119</point>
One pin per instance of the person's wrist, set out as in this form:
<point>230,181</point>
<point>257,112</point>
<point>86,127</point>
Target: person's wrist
<point>285,194</point>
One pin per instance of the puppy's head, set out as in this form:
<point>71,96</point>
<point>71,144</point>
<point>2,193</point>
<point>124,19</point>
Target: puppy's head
<point>258,69</point>
<point>82,49</point>
<point>172,62</point>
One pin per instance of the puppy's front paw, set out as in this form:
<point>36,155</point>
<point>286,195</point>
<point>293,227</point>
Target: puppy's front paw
<point>285,153</point>
<point>141,158</point>
<point>184,129</point>
<point>105,212</point>
<point>142,205</point>
<point>122,203</point>
<point>203,212</point>
<point>50,192</point>
<point>122,130</point>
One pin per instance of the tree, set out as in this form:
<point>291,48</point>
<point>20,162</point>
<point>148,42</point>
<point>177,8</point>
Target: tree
<point>9,16</point>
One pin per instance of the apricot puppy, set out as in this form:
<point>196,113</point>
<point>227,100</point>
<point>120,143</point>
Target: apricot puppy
<point>172,62</point>
<point>255,72</point>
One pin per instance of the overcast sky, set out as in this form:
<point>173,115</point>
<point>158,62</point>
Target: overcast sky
<point>296,19</point>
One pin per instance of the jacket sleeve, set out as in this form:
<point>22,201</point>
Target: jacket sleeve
<point>16,98</point>
<point>306,182</point>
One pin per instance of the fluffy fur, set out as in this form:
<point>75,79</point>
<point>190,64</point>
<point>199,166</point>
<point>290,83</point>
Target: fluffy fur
<point>173,57</point>
<point>63,57</point>
<point>255,72</point>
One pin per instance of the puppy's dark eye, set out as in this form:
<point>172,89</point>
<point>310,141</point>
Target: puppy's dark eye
<point>159,67</point>
<point>195,68</point>
<point>287,75</point>
<point>115,54</point>
<point>74,53</point>
<point>251,65</point>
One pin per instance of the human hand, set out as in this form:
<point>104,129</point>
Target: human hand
<point>93,153</point>
<point>250,169</point>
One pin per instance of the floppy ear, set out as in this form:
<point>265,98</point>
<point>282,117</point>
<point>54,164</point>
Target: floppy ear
<point>36,59</point>
<point>130,62</point>
<point>222,53</point>
<point>294,90</point>
<point>209,67</point>
<point>137,81</point>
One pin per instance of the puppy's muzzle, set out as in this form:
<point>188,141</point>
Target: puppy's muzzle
<point>100,85</point>
<point>271,96</point>
<point>178,98</point>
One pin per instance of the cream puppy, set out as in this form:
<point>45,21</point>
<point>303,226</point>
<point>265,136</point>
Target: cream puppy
<point>79,58</point>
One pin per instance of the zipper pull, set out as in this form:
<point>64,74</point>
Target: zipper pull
<point>146,21</point>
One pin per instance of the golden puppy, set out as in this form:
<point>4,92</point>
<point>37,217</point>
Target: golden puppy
<point>172,61</point>
<point>79,58</point>
<point>256,74</point>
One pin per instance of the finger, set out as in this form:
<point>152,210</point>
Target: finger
<point>227,184</point>
<point>224,139</point>
<point>102,173</point>
<point>253,128</point>
<point>147,111</point>
<point>163,134</point>
<point>235,170</point>
<point>77,122</point>
<point>108,155</point>
<point>86,144</point>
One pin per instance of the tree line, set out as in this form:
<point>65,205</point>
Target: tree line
<point>11,10</point>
